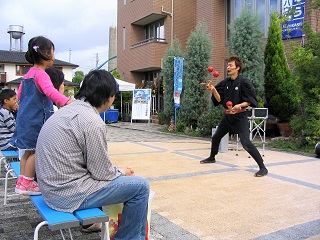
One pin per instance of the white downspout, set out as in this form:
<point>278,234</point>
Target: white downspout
<point>171,15</point>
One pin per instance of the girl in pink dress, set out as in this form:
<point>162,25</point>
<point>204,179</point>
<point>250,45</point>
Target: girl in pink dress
<point>36,94</point>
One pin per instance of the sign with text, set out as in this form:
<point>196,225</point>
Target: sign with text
<point>177,81</point>
<point>293,27</point>
<point>141,103</point>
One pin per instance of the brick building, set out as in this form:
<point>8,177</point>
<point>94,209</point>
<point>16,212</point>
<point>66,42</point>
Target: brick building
<point>147,27</point>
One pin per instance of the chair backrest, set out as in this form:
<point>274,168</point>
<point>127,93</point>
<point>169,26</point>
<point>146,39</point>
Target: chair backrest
<point>258,113</point>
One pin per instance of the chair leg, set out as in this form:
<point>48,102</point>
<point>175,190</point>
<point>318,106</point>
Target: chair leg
<point>70,234</point>
<point>237,144</point>
<point>6,187</point>
<point>36,231</point>
<point>62,235</point>
<point>105,235</point>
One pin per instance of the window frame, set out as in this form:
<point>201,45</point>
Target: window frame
<point>234,8</point>
<point>155,31</point>
<point>21,70</point>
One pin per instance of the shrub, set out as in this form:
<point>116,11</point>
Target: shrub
<point>306,65</point>
<point>210,119</point>
<point>194,96</point>
<point>181,125</point>
<point>164,118</point>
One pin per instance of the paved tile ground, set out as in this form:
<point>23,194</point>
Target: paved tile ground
<point>201,201</point>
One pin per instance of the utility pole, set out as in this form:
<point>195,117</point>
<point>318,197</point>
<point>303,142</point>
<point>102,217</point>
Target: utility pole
<point>69,55</point>
<point>97,60</point>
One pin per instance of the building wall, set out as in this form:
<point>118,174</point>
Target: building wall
<point>213,13</point>
<point>133,61</point>
<point>10,70</point>
<point>311,16</point>
<point>184,20</point>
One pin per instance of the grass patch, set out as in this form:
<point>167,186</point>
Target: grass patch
<point>289,145</point>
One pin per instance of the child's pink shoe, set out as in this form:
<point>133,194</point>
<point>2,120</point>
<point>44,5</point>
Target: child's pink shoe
<point>31,189</point>
<point>18,183</point>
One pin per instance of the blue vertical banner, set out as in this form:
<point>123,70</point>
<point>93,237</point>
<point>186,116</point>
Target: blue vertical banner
<point>177,81</point>
<point>293,27</point>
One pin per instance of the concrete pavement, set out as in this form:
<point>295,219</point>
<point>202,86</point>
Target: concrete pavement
<point>201,201</point>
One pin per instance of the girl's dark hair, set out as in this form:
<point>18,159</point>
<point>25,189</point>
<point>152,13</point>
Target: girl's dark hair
<point>6,94</point>
<point>97,87</point>
<point>238,61</point>
<point>56,76</point>
<point>39,49</point>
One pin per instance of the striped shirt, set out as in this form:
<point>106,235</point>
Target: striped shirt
<point>72,159</point>
<point>7,127</point>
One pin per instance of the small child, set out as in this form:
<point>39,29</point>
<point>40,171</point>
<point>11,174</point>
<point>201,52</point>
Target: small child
<point>57,79</point>
<point>36,94</point>
<point>8,100</point>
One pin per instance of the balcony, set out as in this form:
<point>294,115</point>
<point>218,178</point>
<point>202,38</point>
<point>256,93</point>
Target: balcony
<point>146,55</point>
<point>149,40</point>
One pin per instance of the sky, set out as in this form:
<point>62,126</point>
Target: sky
<point>79,29</point>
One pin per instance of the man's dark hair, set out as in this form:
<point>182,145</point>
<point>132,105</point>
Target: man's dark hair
<point>97,87</point>
<point>6,94</point>
<point>238,61</point>
<point>56,76</point>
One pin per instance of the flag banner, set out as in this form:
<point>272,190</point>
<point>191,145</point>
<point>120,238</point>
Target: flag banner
<point>177,86</point>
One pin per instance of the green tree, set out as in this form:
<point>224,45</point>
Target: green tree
<point>78,78</point>
<point>306,65</point>
<point>280,85</point>
<point>174,50</point>
<point>116,74</point>
<point>246,42</point>
<point>194,97</point>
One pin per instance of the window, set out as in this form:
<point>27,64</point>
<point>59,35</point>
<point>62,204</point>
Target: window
<point>155,31</point>
<point>262,8</point>
<point>261,11</point>
<point>124,38</point>
<point>22,70</point>
<point>151,78</point>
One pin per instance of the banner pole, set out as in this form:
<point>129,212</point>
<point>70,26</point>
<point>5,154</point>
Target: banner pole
<point>175,118</point>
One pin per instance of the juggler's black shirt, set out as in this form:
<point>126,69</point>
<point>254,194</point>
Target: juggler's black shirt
<point>237,91</point>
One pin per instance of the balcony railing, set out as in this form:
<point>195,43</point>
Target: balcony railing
<point>149,40</point>
<point>3,77</point>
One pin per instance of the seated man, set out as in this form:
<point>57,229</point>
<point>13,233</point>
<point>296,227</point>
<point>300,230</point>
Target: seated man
<point>8,101</point>
<point>72,163</point>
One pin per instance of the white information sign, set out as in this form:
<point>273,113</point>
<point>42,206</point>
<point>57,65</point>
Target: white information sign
<point>141,103</point>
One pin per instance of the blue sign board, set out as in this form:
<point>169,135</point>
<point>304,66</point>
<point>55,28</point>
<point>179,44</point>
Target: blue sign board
<point>293,27</point>
<point>177,80</point>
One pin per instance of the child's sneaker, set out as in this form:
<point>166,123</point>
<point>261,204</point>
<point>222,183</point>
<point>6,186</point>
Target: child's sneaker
<point>31,189</point>
<point>18,183</point>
